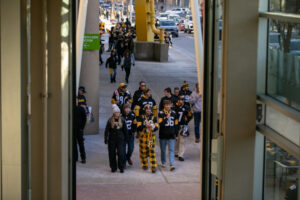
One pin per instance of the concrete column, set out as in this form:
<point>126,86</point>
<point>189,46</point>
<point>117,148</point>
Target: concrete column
<point>12,106</point>
<point>89,77</point>
<point>239,116</point>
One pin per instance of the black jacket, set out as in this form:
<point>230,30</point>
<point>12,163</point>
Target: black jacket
<point>136,96</point>
<point>168,127</point>
<point>111,62</point>
<point>80,118</point>
<point>161,104</point>
<point>127,63</point>
<point>115,133</point>
<point>131,122</point>
<point>81,100</point>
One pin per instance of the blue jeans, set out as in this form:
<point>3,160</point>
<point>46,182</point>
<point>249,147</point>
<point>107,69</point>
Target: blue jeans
<point>197,120</point>
<point>163,145</point>
<point>130,144</point>
<point>113,74</point>
<point>132,58</point>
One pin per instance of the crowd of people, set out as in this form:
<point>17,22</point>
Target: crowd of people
<point>140,115</point>
<point>121,48</point>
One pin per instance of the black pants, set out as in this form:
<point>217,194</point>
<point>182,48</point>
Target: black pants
<point>80,141</point>
<point>127,70</point>
<point>119,57</point>
<point>100,57</point>
<point>115,148</point>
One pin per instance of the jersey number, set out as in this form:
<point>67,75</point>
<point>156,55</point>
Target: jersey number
<point>128,124</point>
<point>180,116</point>
<point>170,121</point>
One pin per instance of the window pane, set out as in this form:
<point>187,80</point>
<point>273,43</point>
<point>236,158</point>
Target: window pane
<point>286,6</point>
<point>284,62</point>
<point>285,126</point>
<point>281,172</point>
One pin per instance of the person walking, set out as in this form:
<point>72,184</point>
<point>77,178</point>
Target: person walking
<point>111,62</point>
<point>185,91</point>
<point>184,114</point>
<point>195,101</point>
<point>120,48</point>
<point>146,99</point>
<point>131,124</point>
<point>127,65</point>
<point>147,125</point>
<point>168,96</point>
<point>138,94</point>
<point>176,93</point>
<point>121,96</point>
<point>114,135</point>
<point>80,121</point>
<point>132,48</point>
<point>168,133</point>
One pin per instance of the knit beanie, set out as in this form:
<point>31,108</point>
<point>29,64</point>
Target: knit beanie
<point>115,108</point>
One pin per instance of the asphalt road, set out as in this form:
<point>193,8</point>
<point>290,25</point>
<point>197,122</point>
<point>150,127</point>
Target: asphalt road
<point>185,44</point>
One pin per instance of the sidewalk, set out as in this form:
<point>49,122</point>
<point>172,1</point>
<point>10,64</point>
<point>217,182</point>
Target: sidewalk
<point>94,179</point>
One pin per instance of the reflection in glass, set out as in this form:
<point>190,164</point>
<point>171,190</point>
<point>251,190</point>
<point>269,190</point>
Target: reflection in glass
<point>284,62</point>
<point>281,173</point>
<point>286,6</point>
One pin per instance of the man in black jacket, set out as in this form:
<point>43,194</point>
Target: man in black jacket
<point>168,96</point>
<point>168,132</point>
<point>80,121</point>
<point>115,134</point>
<point>138,94</point>
<point>131,124</point>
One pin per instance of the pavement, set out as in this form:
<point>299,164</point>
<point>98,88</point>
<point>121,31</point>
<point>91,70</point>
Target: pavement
<point>94,179</point>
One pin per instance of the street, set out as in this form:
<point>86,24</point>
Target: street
<point>95,179</point>
<point>185,44</point>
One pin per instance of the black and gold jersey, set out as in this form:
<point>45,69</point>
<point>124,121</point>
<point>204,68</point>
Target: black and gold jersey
<point>168,124</point>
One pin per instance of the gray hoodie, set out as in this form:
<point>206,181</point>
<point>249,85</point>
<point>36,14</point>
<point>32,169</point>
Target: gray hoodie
<point>196,103</point>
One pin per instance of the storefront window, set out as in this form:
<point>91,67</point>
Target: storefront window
<point>281,173</point>
<point>284,62</point>
<point>286,6</point>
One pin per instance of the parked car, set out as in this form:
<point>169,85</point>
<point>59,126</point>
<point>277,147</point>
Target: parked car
<point>169,26</point>
<point>178,11</point>
<point>174,17</point>
<point>163,16</point>
<point>188,24</point>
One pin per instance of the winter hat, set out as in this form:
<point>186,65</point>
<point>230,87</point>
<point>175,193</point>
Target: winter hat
<point>185,84</point>
<point>115,108</point>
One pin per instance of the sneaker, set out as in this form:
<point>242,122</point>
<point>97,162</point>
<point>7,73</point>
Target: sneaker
<point>113,170</point>
<point>197,140</point>
<point>163,165</point>
<point>130,162</point>
<point>122,171</point>
<point>180,158</point>
<point>172,168</point>
<point>83,161</point>
<point>153,171</point>
<point>145,168</point>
